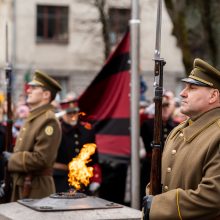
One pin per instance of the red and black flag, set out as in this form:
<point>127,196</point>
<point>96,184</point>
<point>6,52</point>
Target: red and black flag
<point>107,101</point>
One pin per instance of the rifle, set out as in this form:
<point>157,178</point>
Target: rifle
<point>8,142</point>
<point>155,177</point>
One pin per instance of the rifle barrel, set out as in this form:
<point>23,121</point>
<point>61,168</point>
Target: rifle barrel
<point>158,31</point>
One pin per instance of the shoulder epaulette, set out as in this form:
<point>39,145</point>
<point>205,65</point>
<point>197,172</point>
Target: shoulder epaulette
<point>86,125</point>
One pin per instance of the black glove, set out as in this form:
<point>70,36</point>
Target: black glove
<point>6,156</point>
<point>147,200</point>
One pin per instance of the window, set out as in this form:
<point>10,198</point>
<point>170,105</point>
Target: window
<point>52,24</point>
<point>118,23</point>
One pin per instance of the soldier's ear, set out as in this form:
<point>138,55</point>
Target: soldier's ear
<point>214,96</point>
<point>47,94</point>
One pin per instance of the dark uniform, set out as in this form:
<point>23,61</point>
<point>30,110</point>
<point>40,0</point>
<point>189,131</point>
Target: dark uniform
<point>147,131</point>
<point>36,148</point>
<point>2,145</point>
<point>73,139</point>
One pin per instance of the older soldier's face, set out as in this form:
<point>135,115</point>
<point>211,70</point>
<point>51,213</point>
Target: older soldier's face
<point>195,100</point>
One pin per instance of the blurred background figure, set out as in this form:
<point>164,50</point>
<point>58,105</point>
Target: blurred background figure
<point>2,140</point>
<point>178,117</point>
<point>4,109</point>
<point>21,114</point>
<point>75,133</point>
<point>71,96</point>
<point>56,103</point>
<point>147,130</point>
<point>143,105</point>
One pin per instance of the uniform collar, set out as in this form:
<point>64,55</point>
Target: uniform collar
<point>40,110</point>
<point>201,123</point>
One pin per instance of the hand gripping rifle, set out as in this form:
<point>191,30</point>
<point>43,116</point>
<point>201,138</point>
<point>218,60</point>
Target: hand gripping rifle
<point>155,177</point>
<point>8,145</point>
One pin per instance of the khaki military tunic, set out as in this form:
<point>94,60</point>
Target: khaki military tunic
<point>191,172</point>
<point>35,152</point>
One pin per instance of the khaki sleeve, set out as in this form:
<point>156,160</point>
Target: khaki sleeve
<point>201,203</point>
<point>44,150</point>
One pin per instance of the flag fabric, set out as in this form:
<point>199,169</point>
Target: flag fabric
<point>107,102</point>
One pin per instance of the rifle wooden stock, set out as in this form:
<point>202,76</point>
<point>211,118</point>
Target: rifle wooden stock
<point>155,177</point>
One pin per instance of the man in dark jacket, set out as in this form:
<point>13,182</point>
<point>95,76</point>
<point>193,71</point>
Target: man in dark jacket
<point>147,132</point>
<point>75,133</point>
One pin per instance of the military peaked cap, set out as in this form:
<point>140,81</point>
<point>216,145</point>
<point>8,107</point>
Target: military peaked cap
<point>42,79</point>
<point>203,74</point>
<point>71,106</point>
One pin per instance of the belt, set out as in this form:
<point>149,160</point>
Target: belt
<point>45,172</point>
<point>60,166</point>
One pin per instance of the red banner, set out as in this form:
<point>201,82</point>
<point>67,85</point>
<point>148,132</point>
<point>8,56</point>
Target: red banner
<point>107,102</point>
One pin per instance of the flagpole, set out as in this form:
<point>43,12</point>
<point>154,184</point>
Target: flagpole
<point>135,97</point>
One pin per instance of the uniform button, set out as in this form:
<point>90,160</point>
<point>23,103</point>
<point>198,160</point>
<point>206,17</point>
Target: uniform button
<point>181,135</point>
<point>76,142</point>
<point>77,150</point>
<point>169,169</point>
<point>166,188</point>
<point>173,152</point>
<point>76,135</point>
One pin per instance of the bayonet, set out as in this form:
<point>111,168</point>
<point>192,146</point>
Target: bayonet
<point>158,31</point>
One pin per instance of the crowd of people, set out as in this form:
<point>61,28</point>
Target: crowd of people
<point>76,132</point>
<point>48,135</point>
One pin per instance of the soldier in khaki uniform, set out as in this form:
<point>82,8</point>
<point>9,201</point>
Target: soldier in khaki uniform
<point>191,157</point>
<point>36,146</point>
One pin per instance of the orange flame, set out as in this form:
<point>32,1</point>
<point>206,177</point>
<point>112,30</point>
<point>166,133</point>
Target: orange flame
<point>79,173</point>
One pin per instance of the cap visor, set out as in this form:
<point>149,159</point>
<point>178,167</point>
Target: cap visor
<point>35,83</point>
<point>72,110</point>
<point>193,81</point>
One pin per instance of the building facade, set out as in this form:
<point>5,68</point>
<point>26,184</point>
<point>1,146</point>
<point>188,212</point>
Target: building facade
<point>64,38</point>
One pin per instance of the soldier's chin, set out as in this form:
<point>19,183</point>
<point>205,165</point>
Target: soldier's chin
<point>183,110</point>
<point>29,102</point>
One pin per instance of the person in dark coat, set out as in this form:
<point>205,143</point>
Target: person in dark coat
<point>2,145</point>
<point>147,132</point>
<point>75,133</point>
